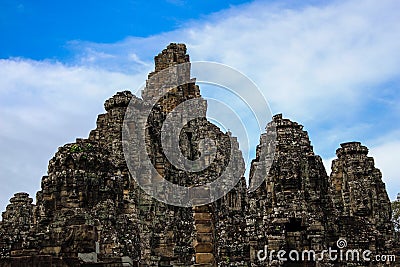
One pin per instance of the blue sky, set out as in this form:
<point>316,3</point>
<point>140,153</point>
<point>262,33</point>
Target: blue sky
<point>332,66</point>
<point>43,29</point>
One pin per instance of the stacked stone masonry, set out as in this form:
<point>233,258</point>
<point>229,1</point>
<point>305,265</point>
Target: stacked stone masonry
<point>91,212</point>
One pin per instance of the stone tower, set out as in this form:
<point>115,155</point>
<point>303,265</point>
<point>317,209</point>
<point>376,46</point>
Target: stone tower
<point>290,210</point>
<point>362,211</point>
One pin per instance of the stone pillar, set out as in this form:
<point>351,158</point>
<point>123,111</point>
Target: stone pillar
<point>204,241</point>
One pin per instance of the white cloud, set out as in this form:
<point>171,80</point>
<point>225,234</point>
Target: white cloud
<point>44,105</point>
<point>310,59</point>
<point>387,159</point>
<point>328,165</point>
<point>307,61</point>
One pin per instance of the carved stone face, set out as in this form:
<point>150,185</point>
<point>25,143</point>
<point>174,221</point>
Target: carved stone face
<point>70,191</point>
<point>360,204</point>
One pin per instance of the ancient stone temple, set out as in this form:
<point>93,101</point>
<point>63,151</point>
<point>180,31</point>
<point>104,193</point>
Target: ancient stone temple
<point>94,206</point>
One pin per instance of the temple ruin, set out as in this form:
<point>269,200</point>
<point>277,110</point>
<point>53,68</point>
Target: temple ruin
<point>91,212</point>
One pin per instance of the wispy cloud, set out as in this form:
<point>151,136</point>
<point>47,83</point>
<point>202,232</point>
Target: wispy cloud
<point>305,60</point>
<point>44,105</point>
<point>387,158</point>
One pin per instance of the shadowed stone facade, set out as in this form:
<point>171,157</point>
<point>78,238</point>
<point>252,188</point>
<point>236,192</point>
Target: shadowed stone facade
<point>90,210</point>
